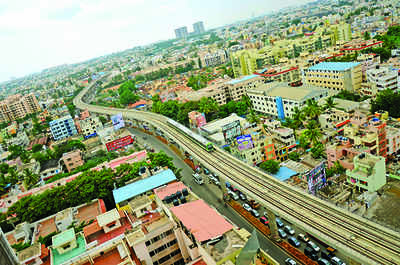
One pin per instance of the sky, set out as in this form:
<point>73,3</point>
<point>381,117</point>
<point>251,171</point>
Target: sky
<point>37,34</point>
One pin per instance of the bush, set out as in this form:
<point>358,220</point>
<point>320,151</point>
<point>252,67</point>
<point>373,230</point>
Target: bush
<point>271,166</point>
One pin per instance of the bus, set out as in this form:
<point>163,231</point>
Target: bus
<point>198,178</point>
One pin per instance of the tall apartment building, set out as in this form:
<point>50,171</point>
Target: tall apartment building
<point>336,76</point>
<point>72,159</point>
<point>246,62</point>
<point>341,32</point>
<point>63,128</point>
<point>7,255</point>
<point>383,78</point>
<point>198,28</point>
<point>369,172</point>
<point>17,107</point>
<point>289,75</point>
<point>279,99</point>
<point>181,33</point>
<point>213,58</point>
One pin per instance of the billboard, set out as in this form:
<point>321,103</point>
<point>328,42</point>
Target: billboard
<point>231,131</point>
<point>119,143</point>
<point>117,121</point>
<point>244,142</point>
<point>316,178</point>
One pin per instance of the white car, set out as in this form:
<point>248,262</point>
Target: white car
<point>313,246</point>
<point>289,230</point>
<point>337,261</point>
<point>247,207</point>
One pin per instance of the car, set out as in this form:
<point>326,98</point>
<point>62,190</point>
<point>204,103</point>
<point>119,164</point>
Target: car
<point>247,207</point>
<point>303,237</point>
<point>242,196</point>
<point>313,246</point>
<point>233,195</point>
<point>206,171</point>
<point>322,261</point>
<point>279,223</point>
<point>309,252</point>
<point>255,213</point>
<point>289,230</point>
<point>337,261</point>
<point>234,189</point>
<point>216,182</point>
<point>289,261</point>
<point>293,241</point>
<point>326,255</point>
<point>264,220</point>
<point>282,233</point>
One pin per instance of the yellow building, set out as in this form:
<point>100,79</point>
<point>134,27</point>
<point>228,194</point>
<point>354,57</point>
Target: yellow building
<point>335,76</point>
<point>246,62</point>
<point>341,32</point>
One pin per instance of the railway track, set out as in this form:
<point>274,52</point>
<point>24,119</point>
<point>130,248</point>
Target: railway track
<point>374,243</point>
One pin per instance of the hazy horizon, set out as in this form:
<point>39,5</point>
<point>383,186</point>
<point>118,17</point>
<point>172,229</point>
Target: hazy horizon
<point>36,35</point>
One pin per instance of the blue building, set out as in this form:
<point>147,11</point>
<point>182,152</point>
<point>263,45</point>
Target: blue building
<point>63,128</point>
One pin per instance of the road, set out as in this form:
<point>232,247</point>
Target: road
<point>210,194</point>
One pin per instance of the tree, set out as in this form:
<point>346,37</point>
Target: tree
<point>329,103</point>
<point>295,156</point>
<point>313,132</point>
<point>127,97</point>
<point>367,35</point>
<point>271,166</point>
<point>388,101</point>
<point>312,110</point>
<point>37,148</point>
<point>30,178</point>
<point>317,150</point>
<point>208,106</point>
<point>103,119</point>
<point>4,168</point>
<point>127,85</point>
<point>16,151</point>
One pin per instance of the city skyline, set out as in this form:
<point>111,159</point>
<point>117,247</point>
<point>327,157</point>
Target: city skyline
<point>45,34</point>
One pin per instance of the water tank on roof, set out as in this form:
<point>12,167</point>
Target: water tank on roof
<point>176,202</point>
<point>185,192</point>
<point>178,194</point>
<point>183,199</point>
<point>167,199</point>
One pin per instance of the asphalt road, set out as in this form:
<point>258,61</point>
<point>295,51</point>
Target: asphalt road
<point>210,194</point>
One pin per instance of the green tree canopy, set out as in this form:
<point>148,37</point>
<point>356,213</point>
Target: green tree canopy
<point>271,166</point>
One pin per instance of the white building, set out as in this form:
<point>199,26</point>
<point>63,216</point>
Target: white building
<point>279,99</point>
<point>213,58</point>
<point>90,126</point>
<point>383,78</point>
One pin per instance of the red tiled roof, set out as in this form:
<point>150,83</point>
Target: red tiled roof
<point>200,262</point>
<point>201,220</point>
<point>361,48</point>
<point>279,73</point>
<point>45,252</point>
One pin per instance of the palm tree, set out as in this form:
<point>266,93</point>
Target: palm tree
<point>330,103</point>
<point>30,178</point>
<point>312,109</point>
<point>313,132</point>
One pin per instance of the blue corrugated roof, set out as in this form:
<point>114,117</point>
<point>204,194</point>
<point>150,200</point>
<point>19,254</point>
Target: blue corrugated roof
<point>284,173</point>
<point>244,78</point>
<point>131,190</point>
<point>334,66</point>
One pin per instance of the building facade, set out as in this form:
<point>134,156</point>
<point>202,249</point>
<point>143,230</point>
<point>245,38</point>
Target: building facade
<point>63,128</point>
<point>17,107</point>
<point>369,172</point>
<point>198,28</point>
<point>336,76</point>
<point>213,58</point>
<point>279,100</point>
<point>90,126</point>
<point>383,78</point>
<point>72,160</point>
<point>181,33</point>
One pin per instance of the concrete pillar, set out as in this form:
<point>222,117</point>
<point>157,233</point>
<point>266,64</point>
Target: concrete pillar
<point>272,225</point>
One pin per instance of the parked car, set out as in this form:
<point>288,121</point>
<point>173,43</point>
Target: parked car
<point>303,237</point>
<point>234,189</point>
<point>279,223</point>
<point>282,233</point>
<point>255,213</point>
<point>216,182</point>
<point>242,196</point>
<point>247,207</point>
<point>313,246</point>
<point>309,252</point>
<point>233,195</point>
<point>288,229</point>
<point>206,171</point>
<point>326,255</point>
<point>337,261</point>
<point>293,241</point>
<point>254,204</point>
<point>289,261</point>
<point>322,261</point>
<point>264,220</point>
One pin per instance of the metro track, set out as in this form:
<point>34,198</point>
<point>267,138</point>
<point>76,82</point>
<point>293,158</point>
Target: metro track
<point>372,241</point>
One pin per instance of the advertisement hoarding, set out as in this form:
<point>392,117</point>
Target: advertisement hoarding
<point>231,131</point>
<point>119,143</point>
<point>244,142</point>
<point>118,121</point>
<point>316,178</point>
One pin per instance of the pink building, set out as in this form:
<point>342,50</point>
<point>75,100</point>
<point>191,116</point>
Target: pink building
<point>72,160</point>
<point>84,115</point>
